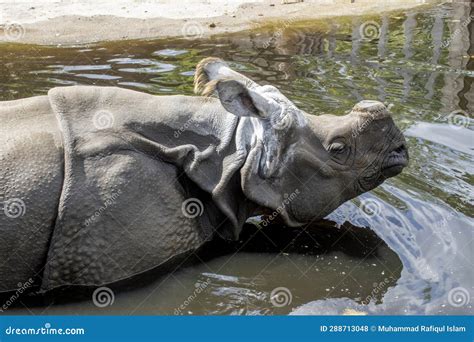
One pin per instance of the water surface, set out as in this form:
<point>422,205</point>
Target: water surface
<point>421,63</point>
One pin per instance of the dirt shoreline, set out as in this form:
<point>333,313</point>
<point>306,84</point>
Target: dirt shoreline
<point>66,24</point>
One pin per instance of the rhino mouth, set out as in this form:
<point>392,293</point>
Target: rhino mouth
<point>396,160</point>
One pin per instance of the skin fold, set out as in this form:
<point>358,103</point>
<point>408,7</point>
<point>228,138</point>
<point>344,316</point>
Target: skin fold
<point>112,183</point>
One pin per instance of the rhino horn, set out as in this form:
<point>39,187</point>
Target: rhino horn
<point>371,110</point>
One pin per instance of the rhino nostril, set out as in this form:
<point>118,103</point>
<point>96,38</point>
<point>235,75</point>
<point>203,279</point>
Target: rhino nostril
<point>400,149</point>
<point>396,160</point>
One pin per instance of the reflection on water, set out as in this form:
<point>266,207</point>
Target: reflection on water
<point>420,62</point>
<point>238,278</point>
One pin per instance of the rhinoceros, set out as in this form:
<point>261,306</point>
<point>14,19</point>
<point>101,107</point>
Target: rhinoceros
<point>99,184</point>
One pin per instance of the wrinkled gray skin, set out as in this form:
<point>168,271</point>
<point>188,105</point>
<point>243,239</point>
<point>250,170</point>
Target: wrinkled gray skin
<point>99,184</point>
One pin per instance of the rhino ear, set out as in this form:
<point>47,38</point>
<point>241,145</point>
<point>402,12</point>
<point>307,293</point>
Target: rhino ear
<point>212,69</point>
<point>238,94</point>
<point>237,99</point>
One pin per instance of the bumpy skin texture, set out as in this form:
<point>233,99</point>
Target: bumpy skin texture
<point>31,170</point>
<point>120,211</point>
<point>117,211</point>
<point>105,173</point>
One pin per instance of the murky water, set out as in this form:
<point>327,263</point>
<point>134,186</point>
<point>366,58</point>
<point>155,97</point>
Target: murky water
<point>421,62</point>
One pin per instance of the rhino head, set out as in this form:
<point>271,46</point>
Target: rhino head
<point>304,166</point>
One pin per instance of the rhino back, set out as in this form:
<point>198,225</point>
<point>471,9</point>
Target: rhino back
<point>120,212</point>
<point>31,178</point>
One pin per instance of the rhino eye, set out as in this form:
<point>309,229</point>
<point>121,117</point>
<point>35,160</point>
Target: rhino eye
<point>339,152</point>
<point>337,147</point>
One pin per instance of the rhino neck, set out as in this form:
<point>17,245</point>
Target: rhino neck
<point>195,134</point>
<point>209,144</point>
